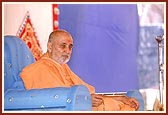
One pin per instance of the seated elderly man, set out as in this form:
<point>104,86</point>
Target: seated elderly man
<point>52,71</point>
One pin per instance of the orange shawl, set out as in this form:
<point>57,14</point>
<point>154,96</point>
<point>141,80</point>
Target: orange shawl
<point>46,73</point>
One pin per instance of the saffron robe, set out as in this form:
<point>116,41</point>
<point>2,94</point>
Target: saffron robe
<point>46,73</point>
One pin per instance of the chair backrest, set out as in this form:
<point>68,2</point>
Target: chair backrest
<point>16,56</point>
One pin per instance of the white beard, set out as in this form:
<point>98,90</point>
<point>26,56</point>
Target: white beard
<point>63,61</point>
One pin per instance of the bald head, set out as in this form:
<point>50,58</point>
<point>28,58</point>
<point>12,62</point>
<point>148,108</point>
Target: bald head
<point>57,34</point>
<point>59,46</point>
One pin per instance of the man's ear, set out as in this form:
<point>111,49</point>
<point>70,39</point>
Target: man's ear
<point>49,46</point>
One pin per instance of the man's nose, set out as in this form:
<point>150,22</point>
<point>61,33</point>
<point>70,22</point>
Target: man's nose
<point>67,50</point>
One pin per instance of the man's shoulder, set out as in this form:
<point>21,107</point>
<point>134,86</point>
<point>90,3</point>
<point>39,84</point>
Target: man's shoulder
<point>35,65</point>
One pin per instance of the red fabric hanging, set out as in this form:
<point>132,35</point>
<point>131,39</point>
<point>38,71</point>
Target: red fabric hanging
<point>55,12</point>
<point>28,35</point>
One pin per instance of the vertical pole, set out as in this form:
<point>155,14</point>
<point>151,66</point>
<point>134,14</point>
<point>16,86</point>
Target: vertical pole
<point>160,64</point>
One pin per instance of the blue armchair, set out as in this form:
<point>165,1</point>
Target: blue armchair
<point>16,56</point>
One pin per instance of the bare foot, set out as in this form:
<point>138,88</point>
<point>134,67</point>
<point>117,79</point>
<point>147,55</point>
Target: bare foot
<point>158,106</point>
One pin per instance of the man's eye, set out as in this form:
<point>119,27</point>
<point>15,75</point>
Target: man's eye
<point>70,47</point>
<point>63,46</point>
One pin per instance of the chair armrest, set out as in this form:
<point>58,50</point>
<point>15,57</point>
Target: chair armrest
<point>60,97</point>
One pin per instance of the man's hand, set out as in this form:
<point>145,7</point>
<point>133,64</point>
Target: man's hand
<point>132,102</point>
<point>96,100</point>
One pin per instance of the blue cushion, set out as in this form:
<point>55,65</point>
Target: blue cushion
<point>16,56</point>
